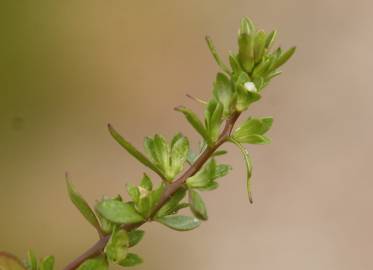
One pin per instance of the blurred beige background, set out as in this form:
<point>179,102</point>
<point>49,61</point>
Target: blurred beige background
<point>67,68</point>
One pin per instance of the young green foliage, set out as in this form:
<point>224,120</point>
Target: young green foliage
<point>252,67</point>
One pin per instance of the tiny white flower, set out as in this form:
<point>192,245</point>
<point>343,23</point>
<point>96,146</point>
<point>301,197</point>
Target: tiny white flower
<point>250,86</point>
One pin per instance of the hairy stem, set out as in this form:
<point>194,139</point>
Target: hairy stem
<point>99,246</point>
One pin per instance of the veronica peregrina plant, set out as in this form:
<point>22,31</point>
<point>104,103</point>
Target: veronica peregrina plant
<point>117,219</point>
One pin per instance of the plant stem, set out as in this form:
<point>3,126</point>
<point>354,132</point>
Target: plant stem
<point>99,246</point>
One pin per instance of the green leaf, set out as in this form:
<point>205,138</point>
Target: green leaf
<point>10,262</point>
<point>221,170</point>
<point>170,206</point>
<point>106,225</point>
<point>260,42</point>
<point>197,205</point>
<point>179,223</point>
<point>131,260</point>
<point>82,205</point>
<point>117,248</point>
<point>133,192</point>
<point>223,92</point>
<point>216,56</point>
<point>98,263</point>
<point>118,212</point>
<point>179,154</point>
<point>146,182</point>
<point>213,119</point>
<point>135,237</point>
<point>133,151</point>
<point>195,122</point>
<point>47,263</point>
<point>203,177</point>
<point>235,65</point>
<point>252,130</point>
<point>270,39</point>
<point>249,166</point>
<point>32,261</point>
<point>219,153</point>
<point>246,51</point>
<point>247,26</point>
<point>283,58</point>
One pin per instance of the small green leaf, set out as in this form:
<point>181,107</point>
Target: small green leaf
<point>133,151</point>
<point>146,182</point>
<point>179,223</point>
<point>283,58</point>
<point>223,92</point>
<point>133,192</point>
<point>249,166</point>
<point>195,122</point>
<point>221,170</point>
<point>252,130</point>
<point>98,263</point>
<point>131,260</point>
<point>203,177</point>
<point>260,42</point>
<point>170,206</point>
<point>216,56</point>
<point>245,98</point>
<point>117,248</point>
<point>219,153</point>
<point>179,154</point>
<point>10,262</point>
<point>270,39</point>
<point>118,212</point>
<point>213,119</point>
<point>247,26</point>
<point>135,237</point>
<point>47,263</point>
<point>32,261</point>
<point>197,205</point>
<point>246,51</point>
<point>82,205</point>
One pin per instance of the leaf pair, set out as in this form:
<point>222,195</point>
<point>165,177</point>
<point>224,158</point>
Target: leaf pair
<point>168,158</point>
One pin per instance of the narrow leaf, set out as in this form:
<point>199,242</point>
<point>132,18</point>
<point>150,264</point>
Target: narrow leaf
<point>82,205</point>
<point>223,92</point>
<point>146,182</point>
<point>216,56</point>
<point>284,58</point>
<point>170,206</point>
<point>118,212</point>
<point>133,151</point>
<point>47,263</point>
<point>195,122</point>
<point>197,205</point>
<point>179,223</point>
<point>32,261</point>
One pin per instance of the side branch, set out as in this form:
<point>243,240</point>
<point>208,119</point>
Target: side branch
<point>99,246</point>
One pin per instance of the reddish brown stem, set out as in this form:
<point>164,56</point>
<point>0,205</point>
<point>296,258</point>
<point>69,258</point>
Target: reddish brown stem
<point>99,246</point>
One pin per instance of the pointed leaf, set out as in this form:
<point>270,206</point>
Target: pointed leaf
<point>270,39</point>
<point>179,154</point>
<point>197,205</point>
<point>47,263</point>
<point>195,122</point>
<point>146,182</point>
<point>179,223</point>
<point>131,260</point>
<point>135,237</point>
<point>284,58</point>
<point>32,261</point>
<point>82,205</point>
<point>213,118</point>
<point>118,212</point>
<point>216,56</point>
<point>133,151</point>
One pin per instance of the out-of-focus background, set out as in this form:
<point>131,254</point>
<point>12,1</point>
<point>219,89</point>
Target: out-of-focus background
<point>67,68</point>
